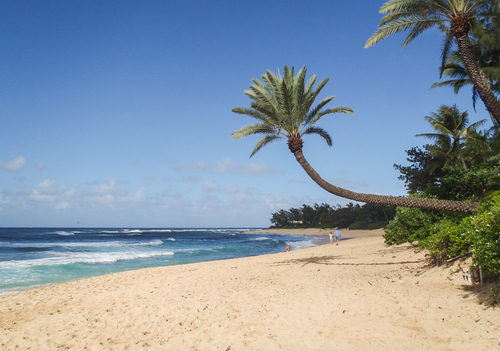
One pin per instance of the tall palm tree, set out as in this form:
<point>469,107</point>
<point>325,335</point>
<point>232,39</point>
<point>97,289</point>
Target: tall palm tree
<point>450,121</point>
<point>484,39</point>
<point>419,15</point>
<point>282,105</point>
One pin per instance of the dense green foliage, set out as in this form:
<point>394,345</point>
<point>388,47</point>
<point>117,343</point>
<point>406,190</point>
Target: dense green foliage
<point>410,224</point>
<point>476,235</point>
<point>467,169</point>
<point>368,216</point>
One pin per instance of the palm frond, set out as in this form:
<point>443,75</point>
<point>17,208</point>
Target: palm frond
<point>448,43</point>
<point>321,132</point>
<point>395,27</point>
<point>251,112</point>
<point>251,129</point>
<point>263,142</point>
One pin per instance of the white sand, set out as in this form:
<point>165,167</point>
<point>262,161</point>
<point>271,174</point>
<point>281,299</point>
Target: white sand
<point>360,295</point>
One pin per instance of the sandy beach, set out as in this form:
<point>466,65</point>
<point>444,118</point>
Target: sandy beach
<point>359,295</point>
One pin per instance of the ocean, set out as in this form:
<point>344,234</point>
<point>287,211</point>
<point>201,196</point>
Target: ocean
<point>36,257</point>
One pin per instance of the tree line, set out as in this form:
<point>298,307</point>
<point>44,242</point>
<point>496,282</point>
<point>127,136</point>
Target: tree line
<point>367,216</point>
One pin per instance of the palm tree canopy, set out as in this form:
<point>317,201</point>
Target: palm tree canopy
<point>453,124</point>
<point>283,107</point>
<point>419,15</point>
<point>450,121</point>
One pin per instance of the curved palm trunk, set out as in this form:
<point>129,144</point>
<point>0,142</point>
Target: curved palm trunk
<point>428,204</point>
<point>478,78</point>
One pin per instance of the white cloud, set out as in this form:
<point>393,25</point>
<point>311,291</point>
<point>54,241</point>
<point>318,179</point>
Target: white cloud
<point>231,190</point>
<point>227,166</point>
<point>14,165</point>
<point>3,200</point>
<point>211,186</point>
<point>110,193</point>
<point>63,206</point>
<point>191,179</point>
<point>47,190</point>
<point>39,166</point>
<point>295,181</point>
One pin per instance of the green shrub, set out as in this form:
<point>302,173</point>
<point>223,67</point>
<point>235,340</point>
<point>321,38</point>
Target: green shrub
<point>477,235</point>
<point>448,240</point>
<point>484,234</point>
<point>410,224</point>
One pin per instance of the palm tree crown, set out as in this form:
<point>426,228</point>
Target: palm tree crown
<point>419,15</point>
<point>454,17</point>
<point>282,105</point>
<point>453,123</point>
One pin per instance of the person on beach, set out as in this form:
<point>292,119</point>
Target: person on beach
<point>287,249</point>
<point>331,237</point>
<point>337,236</point>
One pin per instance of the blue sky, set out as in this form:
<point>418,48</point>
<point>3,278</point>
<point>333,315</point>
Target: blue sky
<point>118,113</point>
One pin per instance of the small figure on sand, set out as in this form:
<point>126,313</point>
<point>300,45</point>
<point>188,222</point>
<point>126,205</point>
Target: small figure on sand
<point>287,249</point>
<point>337,236</point>
<point>331,237</point>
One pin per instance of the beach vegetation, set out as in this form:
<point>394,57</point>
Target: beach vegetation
<point>454,18</point>
<point>411,224</point>
<point>367,216</point>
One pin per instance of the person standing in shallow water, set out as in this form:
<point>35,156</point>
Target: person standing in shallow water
<point>338,235</point>
<point>331,237</point>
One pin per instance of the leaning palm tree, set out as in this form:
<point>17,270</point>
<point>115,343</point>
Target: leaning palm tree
<point>419,15</point>
<point>450,121</point>
<point>282,106</point>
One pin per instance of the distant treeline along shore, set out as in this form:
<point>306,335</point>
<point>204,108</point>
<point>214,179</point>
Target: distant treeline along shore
<point>367,216</point>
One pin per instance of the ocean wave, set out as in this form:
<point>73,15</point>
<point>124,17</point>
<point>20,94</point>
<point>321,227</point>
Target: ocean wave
<point>64,233</point>
<point>151,243</point>
<point>156,231</point>
<point>261,238</point>
<point>299,245</point>
<point>82,257</point>
<point>89,244</point>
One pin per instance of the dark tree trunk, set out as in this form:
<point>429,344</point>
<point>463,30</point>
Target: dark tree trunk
<point>428,204</point>
<point>478,77</point>
<point>460,153</point>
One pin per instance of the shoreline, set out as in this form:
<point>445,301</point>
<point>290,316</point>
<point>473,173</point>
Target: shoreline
<point>323,234</point>
<point>359,295</point>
